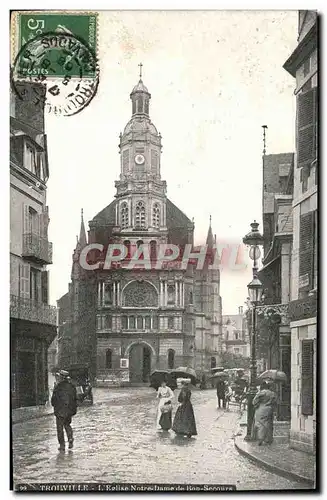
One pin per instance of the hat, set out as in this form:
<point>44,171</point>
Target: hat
<point>63,373</point>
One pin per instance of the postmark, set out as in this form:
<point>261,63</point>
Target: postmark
<point>65,64</point>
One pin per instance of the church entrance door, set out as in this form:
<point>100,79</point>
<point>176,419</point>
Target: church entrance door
<point>139,363</point>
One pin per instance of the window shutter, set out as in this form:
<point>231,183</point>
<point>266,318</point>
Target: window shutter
<point>24,281</point>
<point>45,286</point>
<point>306,127</point>
<point>306,251</point>
<point>26,219</point>
<point>307,377</point>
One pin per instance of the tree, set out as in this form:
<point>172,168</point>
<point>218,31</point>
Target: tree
<point>231,360</point>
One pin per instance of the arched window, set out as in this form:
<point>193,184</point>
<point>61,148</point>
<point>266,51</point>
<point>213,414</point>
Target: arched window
<point>191,297</point>
<point>213,362</point>
<point>108,359</point>
<point>134,107</point>
<point>153,250</point>
<point>139,243</point>
<point>147,322</point>
<point>171,295</point>
<point>140,214</point>
<point>140,104</point>
<point>139,322</point>
<point>132,322</point>
<point>124,218</point>
<point>156,215</point>
<point>171,359</point>
<point>124,323</point>
<point>170,323</point>
<point>127,244</point>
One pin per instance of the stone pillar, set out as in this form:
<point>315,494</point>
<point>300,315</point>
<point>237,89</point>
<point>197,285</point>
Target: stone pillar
<point>161,294</point>
<point>114,294</point>
<point>176,293</point>
<point>166,294</point>
<point>182,297</point>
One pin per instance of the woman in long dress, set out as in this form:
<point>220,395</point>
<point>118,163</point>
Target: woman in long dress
<point>165,395</point>
<point>264,403</point>
<point>184,421</point>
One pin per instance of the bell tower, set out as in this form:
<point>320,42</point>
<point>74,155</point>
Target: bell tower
<point>141,194</point>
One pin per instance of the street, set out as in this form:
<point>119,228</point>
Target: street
<point>116,441</point>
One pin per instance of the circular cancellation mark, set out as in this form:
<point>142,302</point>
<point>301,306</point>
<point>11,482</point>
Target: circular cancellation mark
<point>64,64</point>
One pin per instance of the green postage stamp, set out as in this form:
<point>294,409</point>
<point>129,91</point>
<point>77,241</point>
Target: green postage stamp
<point>58,50</point>
<point>63,36</point>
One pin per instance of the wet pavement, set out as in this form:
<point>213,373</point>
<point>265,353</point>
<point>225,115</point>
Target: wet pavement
<point>116,441</point>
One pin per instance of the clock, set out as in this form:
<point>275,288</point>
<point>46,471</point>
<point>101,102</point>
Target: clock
<point>139,159</point>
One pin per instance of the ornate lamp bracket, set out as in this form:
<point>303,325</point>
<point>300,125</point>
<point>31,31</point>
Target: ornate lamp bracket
<point>267,311</point>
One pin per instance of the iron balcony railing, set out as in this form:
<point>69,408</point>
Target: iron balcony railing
<point>38,248</point>
<point>27,309</point>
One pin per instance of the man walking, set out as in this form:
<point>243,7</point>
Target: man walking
<point>221,393</point>
<point>64,402</point>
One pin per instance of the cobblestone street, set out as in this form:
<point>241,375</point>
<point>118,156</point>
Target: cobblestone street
<point>116,441</point>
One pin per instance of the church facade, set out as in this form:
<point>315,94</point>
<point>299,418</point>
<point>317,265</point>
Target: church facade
<point>126,321</point>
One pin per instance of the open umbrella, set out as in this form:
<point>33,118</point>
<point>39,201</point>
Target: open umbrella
<point>157,377</point>
<point>273,375</point>
<point>217,369</point>
<point>184,372</point>
<point>219,375</point>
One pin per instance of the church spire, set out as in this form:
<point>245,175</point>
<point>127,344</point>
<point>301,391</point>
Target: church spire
<point>210,239</point>
<point>82,233</point>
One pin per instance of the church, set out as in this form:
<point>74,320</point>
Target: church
<point>124,323</point>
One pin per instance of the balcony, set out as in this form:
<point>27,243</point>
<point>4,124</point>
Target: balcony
<point>30,310</point>
<point>37,248</point>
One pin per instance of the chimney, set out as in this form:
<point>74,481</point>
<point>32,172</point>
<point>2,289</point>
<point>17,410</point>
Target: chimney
<point>240,310</point>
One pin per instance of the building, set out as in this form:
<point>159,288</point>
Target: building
<point>125,322</point>
<point>303,66</point>
<point>235,335</point>
<point>32,319</point>
<point>274,343</point>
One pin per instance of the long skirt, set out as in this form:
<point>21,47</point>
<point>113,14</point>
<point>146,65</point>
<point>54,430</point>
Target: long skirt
<point>165,421</point>
<point>263,424</point>
<point>184,421</point>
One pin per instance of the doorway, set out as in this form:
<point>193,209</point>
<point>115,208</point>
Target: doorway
<point>139,363</point>
<point>26,380</point>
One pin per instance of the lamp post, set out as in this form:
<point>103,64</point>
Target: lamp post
<point>255,288</point>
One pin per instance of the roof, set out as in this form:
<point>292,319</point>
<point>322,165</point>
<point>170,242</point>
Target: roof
<point>175,217</point>
<point>140,87</point>
<point>140,125</point>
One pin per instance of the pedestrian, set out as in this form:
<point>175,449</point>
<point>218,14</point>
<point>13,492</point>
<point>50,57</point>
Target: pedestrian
<point>184,421</point>
<point>166,416</point>
<point>264,403</point>
<point>203,383</point>
<point>221,393</point>
<point>165,395</point>
<point>64,402</point>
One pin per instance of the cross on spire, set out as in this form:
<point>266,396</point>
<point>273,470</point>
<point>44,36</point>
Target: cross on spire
<point>140,66</point>
<point>264,127</point>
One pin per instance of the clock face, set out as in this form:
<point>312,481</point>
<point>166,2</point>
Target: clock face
<point>139,159</point>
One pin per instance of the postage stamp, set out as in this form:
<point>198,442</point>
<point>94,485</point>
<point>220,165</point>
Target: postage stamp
<point>29,25</point>
<point>59,51</point>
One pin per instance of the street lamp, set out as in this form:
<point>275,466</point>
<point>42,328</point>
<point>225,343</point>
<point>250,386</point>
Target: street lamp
<point>255,288</point>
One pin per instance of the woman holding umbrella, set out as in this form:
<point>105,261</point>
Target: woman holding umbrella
<point>184,421</point>
<point>165,395</point>
<point>264,403</point>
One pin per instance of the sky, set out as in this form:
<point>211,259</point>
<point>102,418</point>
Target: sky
<point>215,78</point>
